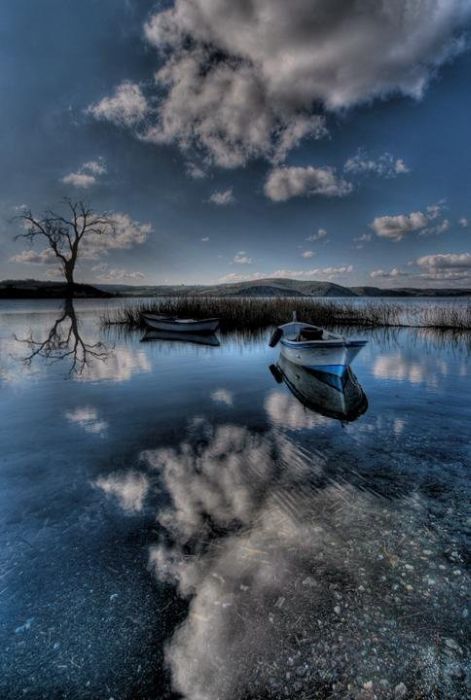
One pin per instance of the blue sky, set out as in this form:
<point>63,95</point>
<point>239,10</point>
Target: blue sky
<point>237,141</point>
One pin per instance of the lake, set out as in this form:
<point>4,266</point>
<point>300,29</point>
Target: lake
<point>176,522</point>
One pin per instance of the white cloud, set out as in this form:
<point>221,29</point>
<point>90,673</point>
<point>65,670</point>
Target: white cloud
<point>436,230</point>
<point>195,171</point>
<point>383,166</point>
<point>383,274</point>
<point>222,108</point>
<point>86,175</point>
<point>395,228</point>
<point>321,233</point>
<point>127,107</point>
<point>205,239</point>
<point>241,258</point>
<point>238,277</point>
<point>440,267</point>
<point>361,240</point>
<point>287,182</point>
<point>239,79</point>
<point>323,271</point>
<point>308,254</point>
<point>222,197</point>
<point>79,180</point>
<point>54,273</point>
<point>97,167</point>
<point>400,167</point>
<point>464,222</point>
<point>317,272</point>
<point>44,257</point>
<point>121,234</point>
<point>106,274</point>
<point>445,266</point>
<point>124,233</point>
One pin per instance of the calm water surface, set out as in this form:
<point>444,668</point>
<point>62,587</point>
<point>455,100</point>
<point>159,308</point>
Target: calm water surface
<point>177,523</point>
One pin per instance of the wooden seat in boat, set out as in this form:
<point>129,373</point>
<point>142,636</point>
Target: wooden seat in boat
<point>310,334</point>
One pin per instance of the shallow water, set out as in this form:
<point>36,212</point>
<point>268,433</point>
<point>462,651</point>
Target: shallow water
<point>177,523</point>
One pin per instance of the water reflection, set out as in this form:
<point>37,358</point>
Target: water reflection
<point>130,488</point>
<point>88,419</point>
<point>120,365</point>
<point>209,339</point>
<point>326,394</point>
<point>298,585</point>
<point>223,396</point>
<point>282,562</point>
<point>64,342</point>
<point>399,367</point>
<point>84,354</point>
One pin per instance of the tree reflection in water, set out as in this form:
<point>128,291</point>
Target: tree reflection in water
<point>64,342</point>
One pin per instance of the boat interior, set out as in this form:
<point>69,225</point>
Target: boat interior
<point>309,333</point>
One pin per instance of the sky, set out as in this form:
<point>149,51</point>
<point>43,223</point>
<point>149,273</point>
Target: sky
<point>241,139</point>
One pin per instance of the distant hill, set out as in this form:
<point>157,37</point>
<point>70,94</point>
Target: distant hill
<point>275,287</point>
<point>409,292</point>
<point>270,287</point>
<point>266,287</point>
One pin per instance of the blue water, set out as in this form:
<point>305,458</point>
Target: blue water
<point>180,521</point>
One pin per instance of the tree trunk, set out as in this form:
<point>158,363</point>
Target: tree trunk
<point>69,278</point>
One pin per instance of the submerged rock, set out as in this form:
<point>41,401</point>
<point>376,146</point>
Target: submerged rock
<point>400,691</point>
<point>451,644</point>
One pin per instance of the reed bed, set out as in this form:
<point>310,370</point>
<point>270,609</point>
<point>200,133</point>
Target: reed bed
<point>254,313</point>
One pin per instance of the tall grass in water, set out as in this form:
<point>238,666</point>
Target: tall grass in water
<point>252,313</point>
<point>446,317</point>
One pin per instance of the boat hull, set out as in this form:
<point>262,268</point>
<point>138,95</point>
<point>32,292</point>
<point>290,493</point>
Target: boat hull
<point>209,325</point>
<point>324,356</point>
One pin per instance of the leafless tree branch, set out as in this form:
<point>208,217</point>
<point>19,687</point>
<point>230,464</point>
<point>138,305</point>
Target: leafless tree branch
<point>64,234</point>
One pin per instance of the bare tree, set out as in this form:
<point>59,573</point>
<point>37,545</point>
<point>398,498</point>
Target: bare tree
<point>64,342</point>
<point>65,235</point>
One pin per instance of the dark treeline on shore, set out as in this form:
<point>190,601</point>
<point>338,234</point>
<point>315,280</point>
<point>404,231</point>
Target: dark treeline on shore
<point>32,289</point>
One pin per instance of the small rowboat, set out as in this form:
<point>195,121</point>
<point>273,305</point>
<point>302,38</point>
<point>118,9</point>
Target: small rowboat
<point>313,347</point>
<point>181,325</point>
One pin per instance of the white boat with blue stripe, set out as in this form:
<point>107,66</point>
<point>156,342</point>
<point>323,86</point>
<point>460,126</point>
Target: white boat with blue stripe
<point>315,348</point>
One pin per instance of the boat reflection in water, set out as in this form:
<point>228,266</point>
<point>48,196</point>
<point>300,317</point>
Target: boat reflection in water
<point>328,394</point>
<point>195,338</point>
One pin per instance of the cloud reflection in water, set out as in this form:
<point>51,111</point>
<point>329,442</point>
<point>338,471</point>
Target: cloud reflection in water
<point>296,581</point>
<point>87,418</point>
<point>130,488</point>
<point>120,366</point>
<point>398,367</point>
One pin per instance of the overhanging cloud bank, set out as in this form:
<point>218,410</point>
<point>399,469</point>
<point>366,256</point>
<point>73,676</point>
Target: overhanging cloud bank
<point>247,79</point>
